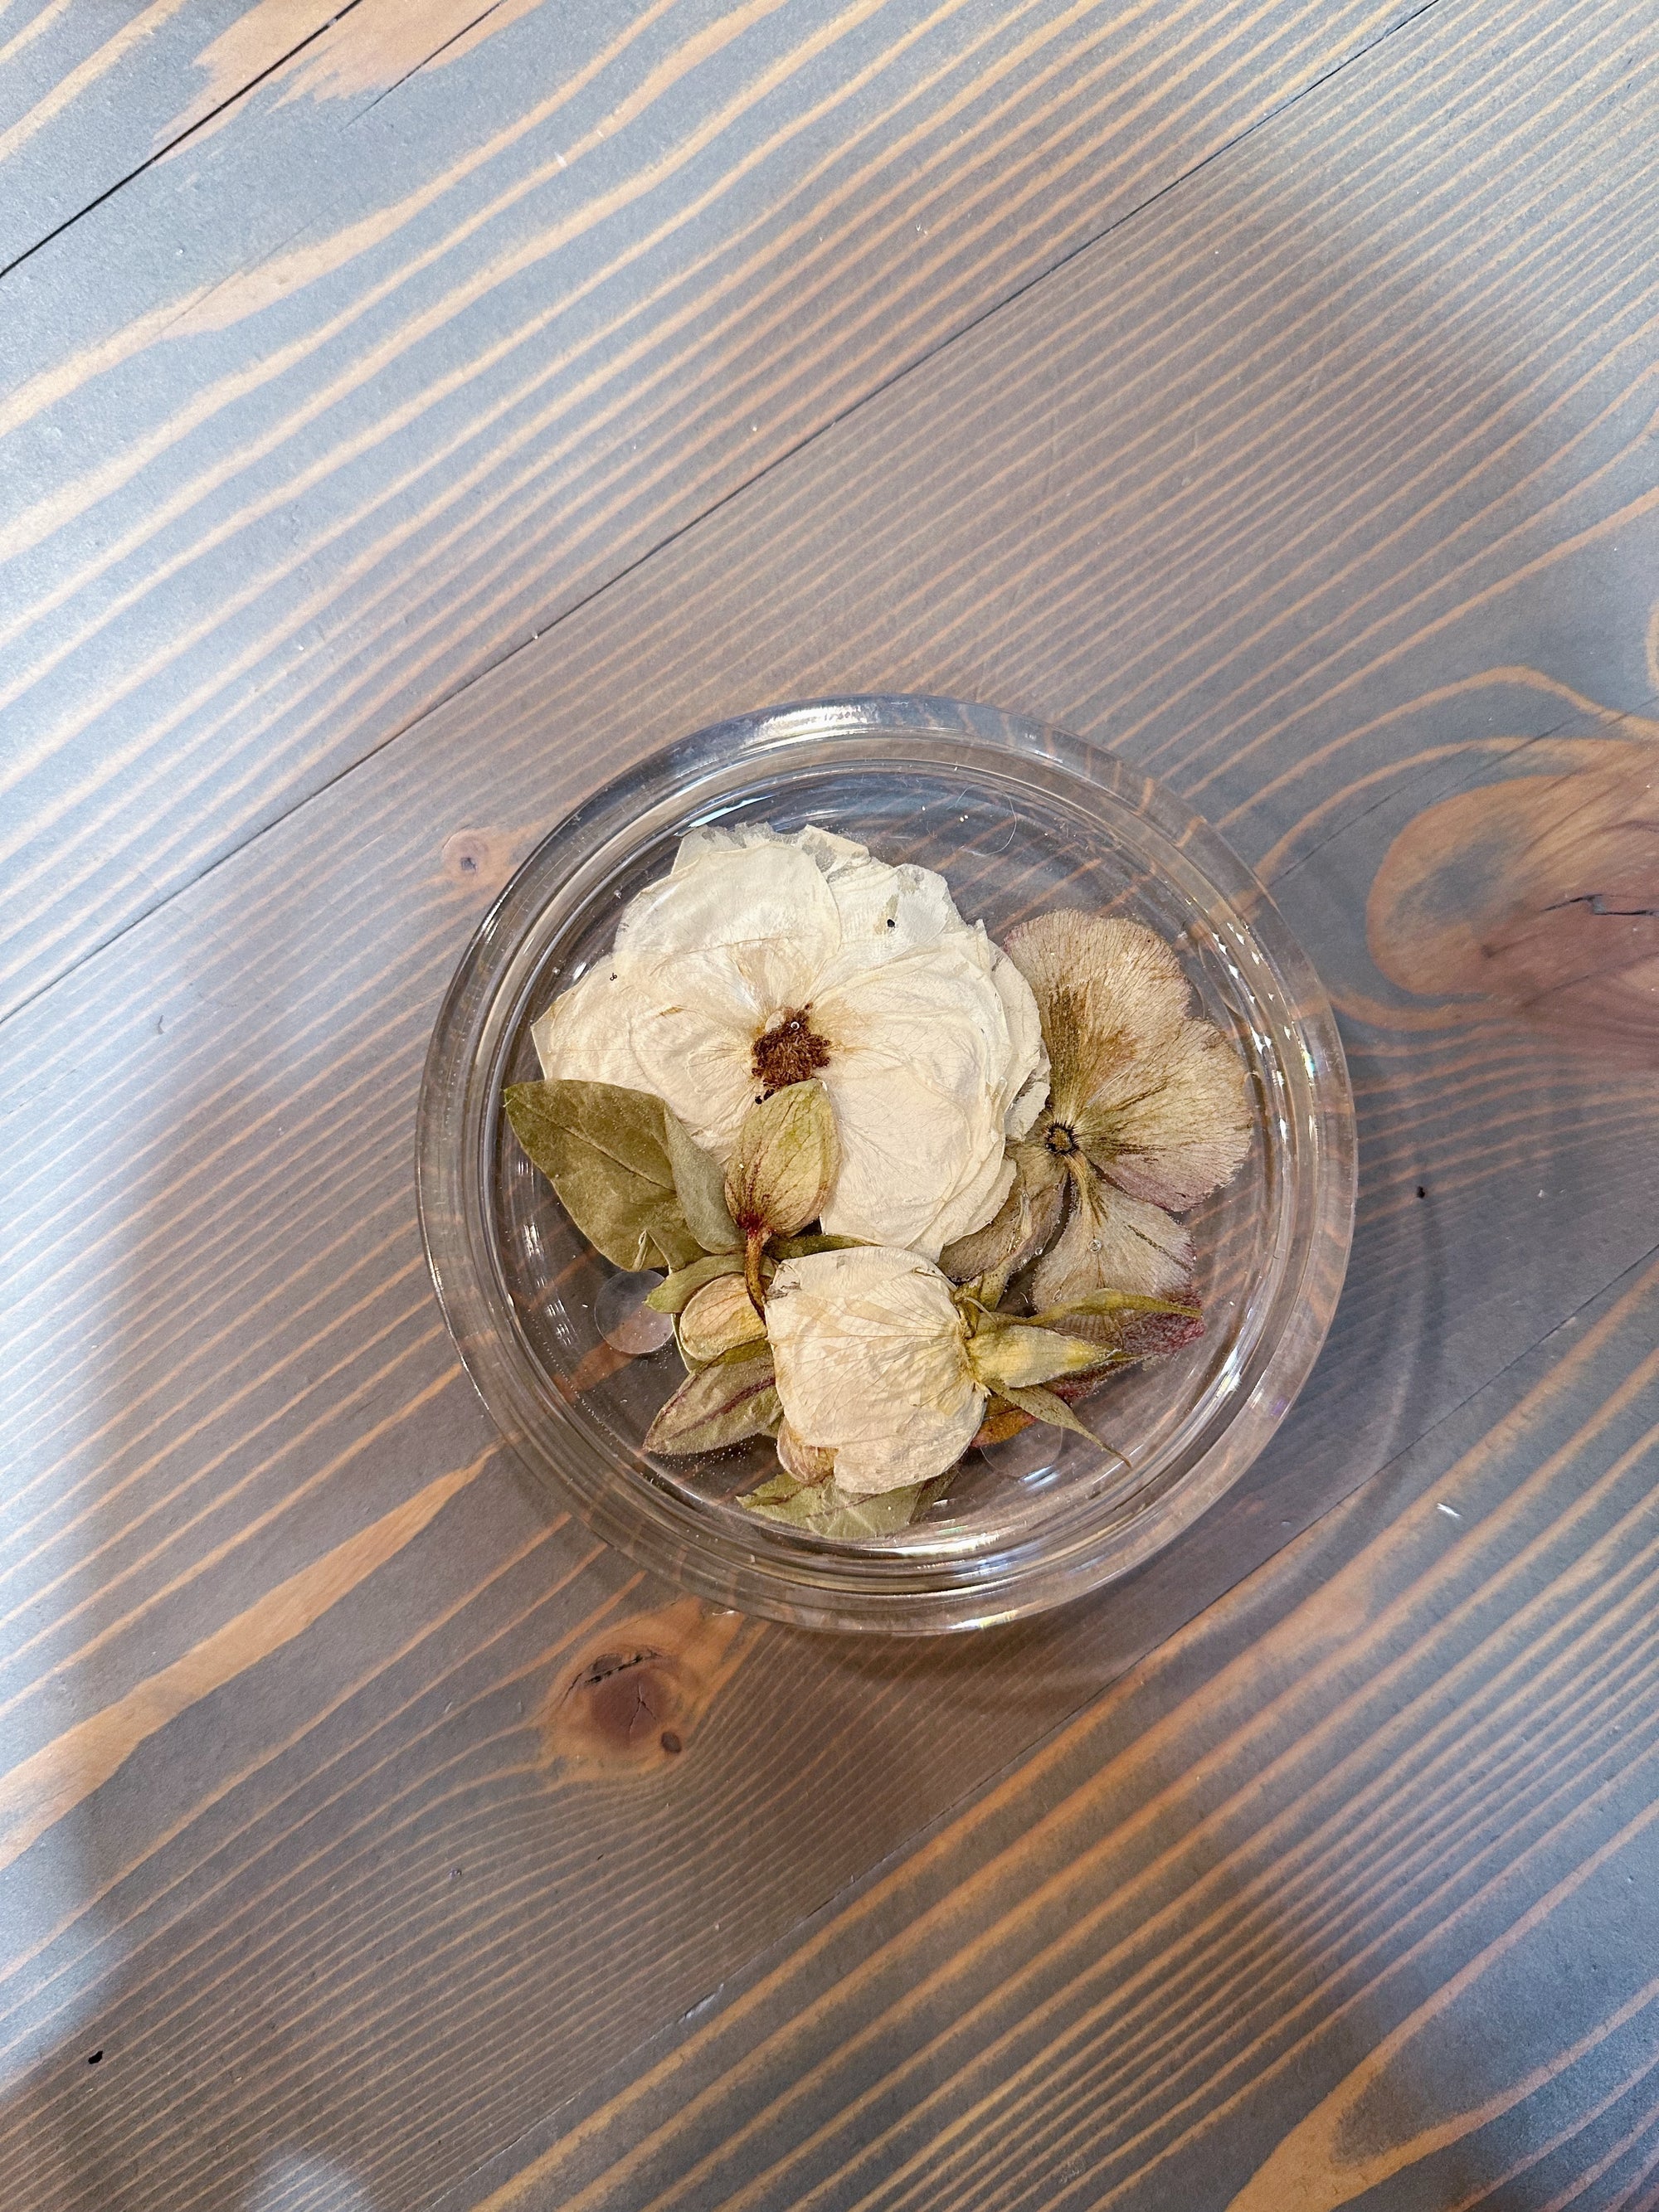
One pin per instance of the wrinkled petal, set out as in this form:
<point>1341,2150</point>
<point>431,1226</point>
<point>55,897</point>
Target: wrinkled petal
<point>871,1363</point>
<point>917,1075</point>
<point>1113,1241</point>
<point>587,1035</point>
<point>805,1462</point>
<point>935,1045</point>
<point>1186,1133</point>
<point>1028,1082</point>
<point>1014,1237</point>
<point>1157,1099</point>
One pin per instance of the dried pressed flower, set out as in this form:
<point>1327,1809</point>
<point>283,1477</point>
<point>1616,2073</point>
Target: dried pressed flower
<point>765,960</point>
<point>877,1360</point>
<point>1147,1113</point>
<point>871,1363</point>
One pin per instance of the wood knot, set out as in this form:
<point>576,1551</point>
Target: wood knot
<point>482,859</point>
<point>634,1698</point>
<point>1541,893</point>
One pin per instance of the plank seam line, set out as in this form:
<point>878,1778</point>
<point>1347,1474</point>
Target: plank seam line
<point>693,522</point>
<point>172,144</point>
<point>706,2009</point>
<point>443,48</point>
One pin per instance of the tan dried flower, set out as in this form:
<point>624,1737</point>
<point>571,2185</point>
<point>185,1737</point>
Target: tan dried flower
<point>1148,1109</point>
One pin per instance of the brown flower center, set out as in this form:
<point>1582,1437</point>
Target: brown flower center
<point>788,1051</point>
<point>1059,1140</point>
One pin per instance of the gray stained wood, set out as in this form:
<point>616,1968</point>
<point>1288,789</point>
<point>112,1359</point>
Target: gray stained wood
<point>390,366</point>
<point>344,1859</point>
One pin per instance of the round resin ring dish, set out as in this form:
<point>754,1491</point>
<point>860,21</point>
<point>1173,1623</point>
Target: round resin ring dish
<point>1019,819</point>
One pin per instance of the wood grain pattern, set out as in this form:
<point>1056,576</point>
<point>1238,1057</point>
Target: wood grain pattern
<point>1324,487</point>
<point>1542,891</point>
<point>1345,1896</point>
<point>89,97</point>
<point>448,357</point>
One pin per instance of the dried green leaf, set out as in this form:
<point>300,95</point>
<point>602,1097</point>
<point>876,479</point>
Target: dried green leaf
<point>1005,1353</point>
<point>823,1510</point>
<point>785,1162</point>
<point>720,1318</point>
<point>717,1407</point>
<point>798,1248</point>
<point>673,1296</point>
<point>700,1183</point>
<point>1046,1405</point>
<point>604,1149</point>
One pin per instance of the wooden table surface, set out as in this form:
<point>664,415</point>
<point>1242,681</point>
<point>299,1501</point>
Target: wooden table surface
<point>413,411</point>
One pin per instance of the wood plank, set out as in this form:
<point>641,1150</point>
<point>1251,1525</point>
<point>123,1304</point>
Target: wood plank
<point>86,102</point>
<point>1347,1895</point>
<point>230,1396</point>
<point>362,390</point>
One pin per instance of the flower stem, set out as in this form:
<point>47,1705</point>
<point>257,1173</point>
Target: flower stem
<point>754,1247</point>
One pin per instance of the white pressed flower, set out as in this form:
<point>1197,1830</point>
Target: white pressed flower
<point>871,1363</point>
<point>763,959</point>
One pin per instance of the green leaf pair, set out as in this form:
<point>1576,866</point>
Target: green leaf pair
<point>823,1510</point>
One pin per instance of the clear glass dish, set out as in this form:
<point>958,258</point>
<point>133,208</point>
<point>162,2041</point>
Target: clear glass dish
<point>1019,818</point>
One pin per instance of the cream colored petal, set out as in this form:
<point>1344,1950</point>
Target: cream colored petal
<point>827,849</point>
<point>735,932</point>
<point>1112,1241</point>
<point>1027,1083</point>
<point>887,914</point>
<point>704,1069</point>
<point>587,1035</point>
<point>979,1194</point>
<point>919,1051</point>
<point>871,1363</point>
<point>808,1464</point>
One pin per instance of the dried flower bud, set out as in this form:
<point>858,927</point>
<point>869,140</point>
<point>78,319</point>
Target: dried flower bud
<point>1008,1355</point>
<point>785,1162</point>
<point>719,1318</point>
<point>873,1362</point>
<point>805,1462</point>
<point>717,1407</point>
